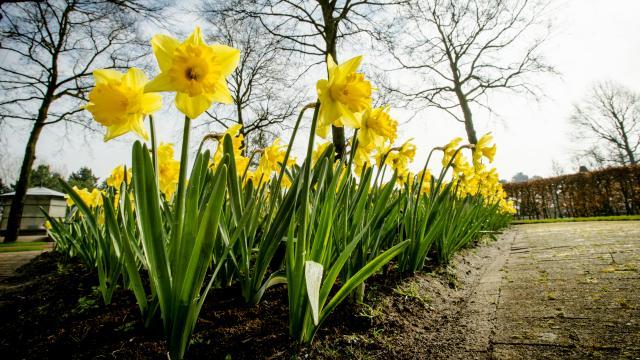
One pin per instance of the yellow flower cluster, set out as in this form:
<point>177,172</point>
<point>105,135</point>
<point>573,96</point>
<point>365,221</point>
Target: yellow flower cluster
<point>91,198</point>
<point>168,170</point>
<point>242,162</point>
<point>476,178</point>
<point>195,71</point>
<point>118,174</point>
<point>270,162</point>
<point>345,100</point>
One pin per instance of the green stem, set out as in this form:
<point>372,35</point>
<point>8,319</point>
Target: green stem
<point>154,149</point>
<point>182,180</point>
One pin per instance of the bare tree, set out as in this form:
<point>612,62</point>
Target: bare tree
<point>312,28</point>
<point>462,50</point>
<point>50,50</point>
<point>608,119</point>
<point>264,94</point>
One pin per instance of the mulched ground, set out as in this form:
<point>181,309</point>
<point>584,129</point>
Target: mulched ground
<point>541,291</point>
<point>51,309</point>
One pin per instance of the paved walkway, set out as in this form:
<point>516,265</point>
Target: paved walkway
<point>10,261</point>
<point>567,290</point>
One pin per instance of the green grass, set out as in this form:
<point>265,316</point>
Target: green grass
<point>570,219</point>
<point>23,246</point>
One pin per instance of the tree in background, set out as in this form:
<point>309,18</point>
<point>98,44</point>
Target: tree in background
<point>311,28</point>
<point>608,119</point>
<point>3,187</point>
<point>83,178</point>
<point>458,52</point>
<point>44,176</point>
<point>50,49</point>
<point>520,177</point>
<point>263,92</point>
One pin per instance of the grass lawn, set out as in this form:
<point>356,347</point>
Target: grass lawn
<point>23,246</point>
<point>592,218</point>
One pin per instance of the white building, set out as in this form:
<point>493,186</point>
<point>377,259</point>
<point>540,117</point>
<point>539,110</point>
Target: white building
<point>33,219</point>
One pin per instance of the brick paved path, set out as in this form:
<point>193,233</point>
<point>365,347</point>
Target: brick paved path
<point>10,261</point>
<point>568,290</point>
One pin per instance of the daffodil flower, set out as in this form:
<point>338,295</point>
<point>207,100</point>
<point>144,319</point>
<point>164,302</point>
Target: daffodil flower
<point>318,151</point>
<point>168,170</point>
<point>237,142</point>
<point>483,148</point>
<point>450,149</point>
<point>119,103</point>
<point>90,198</point>
<point>117,177</point>
<point>342,96</point>
<point>196,71</point>
<point>376,126</point>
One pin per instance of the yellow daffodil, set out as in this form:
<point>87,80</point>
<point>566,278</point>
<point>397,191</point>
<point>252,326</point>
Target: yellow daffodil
<point>117,177</point>
<point>196,71</point>
<point>273,156</point>
<point>376,126</point>
<point>385,152</point>
<point>425,175</point>
<point>342,96</point>
<point>119,103</point>
<point>286,182</point>
<point>47,225</point>
<point>483,148</point>
<point>362,157</point>
<point>91,198</point>
<point>168,170</point>
<point>403,158</point>
<point>237,140</point>
<point>318,151</point>
<point>450,149</point>
<point>116,200</point>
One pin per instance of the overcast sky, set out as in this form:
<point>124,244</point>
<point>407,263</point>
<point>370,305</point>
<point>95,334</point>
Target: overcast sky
<point>593,40</point>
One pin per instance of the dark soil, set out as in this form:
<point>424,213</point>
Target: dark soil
<point>51,309</point>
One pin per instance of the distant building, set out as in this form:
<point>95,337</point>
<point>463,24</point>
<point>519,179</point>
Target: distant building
<point>33,219</point>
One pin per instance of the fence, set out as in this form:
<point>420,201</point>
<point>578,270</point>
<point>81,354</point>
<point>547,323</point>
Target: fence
<point>612,191</point>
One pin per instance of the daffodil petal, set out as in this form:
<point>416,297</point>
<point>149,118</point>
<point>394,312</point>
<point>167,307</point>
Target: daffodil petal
<point>234,130</point>
<point>229,58</point>
<point>331,63</point>
<point>322,131</point>
<point>151,103</point>
<point>134,78</point>
<point>193,106</point>
<point>116,130</point>
<point>351,65</point>
<point>162,82</point>
<point>103,76</point>
<point>138,128</point>
<point>196,37</point>
<point>222,94</point>
<point>163,47</point>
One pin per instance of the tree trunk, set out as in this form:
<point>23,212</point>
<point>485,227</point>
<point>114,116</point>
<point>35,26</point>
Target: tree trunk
<point>17,204</point>
<point>331,32</point>
<point>468,116</point>
<point>243,144</point>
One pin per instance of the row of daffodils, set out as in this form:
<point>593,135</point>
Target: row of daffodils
<point>336,220</point>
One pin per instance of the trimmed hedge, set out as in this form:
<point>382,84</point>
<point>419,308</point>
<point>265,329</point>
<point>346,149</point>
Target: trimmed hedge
<point>612,191</point>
